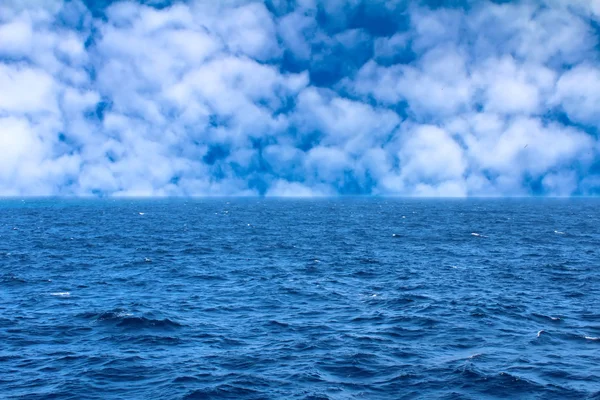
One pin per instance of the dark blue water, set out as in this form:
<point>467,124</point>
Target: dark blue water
<point>307,299</point>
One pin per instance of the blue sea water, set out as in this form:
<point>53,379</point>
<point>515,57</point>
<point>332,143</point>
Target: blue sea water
<point>299,299</point>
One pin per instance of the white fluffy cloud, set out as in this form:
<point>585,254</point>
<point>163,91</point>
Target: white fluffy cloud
<point>578,94</point>
<point>313,98</point>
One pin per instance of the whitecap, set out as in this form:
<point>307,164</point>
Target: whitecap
<point>540,333</point>
<point>559,232</point>
<point>61,294</point>
<point>477,234</point>
<point>592,338</point>
<point>141,213</point>
<point>123,314</point>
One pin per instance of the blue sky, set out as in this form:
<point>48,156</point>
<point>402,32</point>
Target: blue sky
<point>299,98</point>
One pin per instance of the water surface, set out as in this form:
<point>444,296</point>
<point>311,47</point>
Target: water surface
<point>307,299</point>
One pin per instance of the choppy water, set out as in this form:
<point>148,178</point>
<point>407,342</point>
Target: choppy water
<point>307,299</point>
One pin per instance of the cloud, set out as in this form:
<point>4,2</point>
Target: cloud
<point>305,98</point>
<point>27,90</point>
<point>577,94</point>
<point>281,188</point>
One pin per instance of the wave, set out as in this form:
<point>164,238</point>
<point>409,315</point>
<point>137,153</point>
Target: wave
<point>127,320</point>
<point>225,391</point>
<point>546,317</point>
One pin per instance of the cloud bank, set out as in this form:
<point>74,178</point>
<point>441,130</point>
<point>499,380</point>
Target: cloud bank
<point>299,98</point>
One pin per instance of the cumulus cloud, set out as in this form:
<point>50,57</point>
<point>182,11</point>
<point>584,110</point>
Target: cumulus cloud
<point>304,98</point>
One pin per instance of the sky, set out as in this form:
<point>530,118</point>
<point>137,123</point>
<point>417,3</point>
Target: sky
<point>299,98</point>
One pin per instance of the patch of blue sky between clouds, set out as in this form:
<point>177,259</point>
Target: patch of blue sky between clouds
<point>299,98</point>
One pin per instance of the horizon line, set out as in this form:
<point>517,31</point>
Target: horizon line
<point>314,197</point>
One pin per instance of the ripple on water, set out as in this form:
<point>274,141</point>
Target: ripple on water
<point>127,320</point>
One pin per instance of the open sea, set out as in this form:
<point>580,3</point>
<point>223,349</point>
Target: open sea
<point>352,298</point>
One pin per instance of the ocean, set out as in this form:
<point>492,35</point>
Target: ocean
<point>340,298</point>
